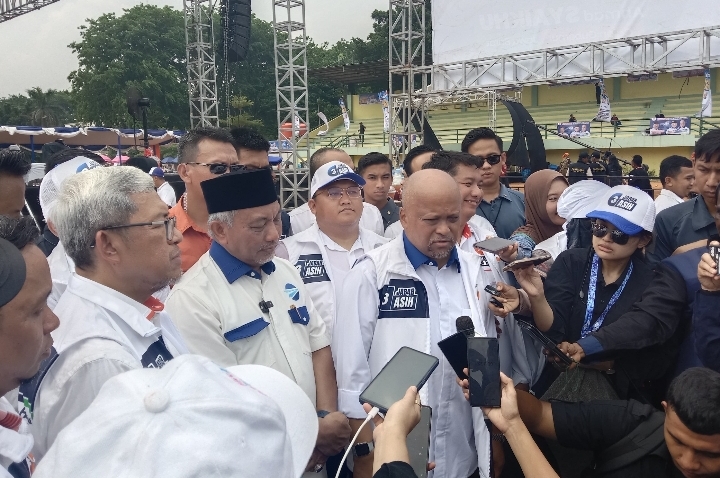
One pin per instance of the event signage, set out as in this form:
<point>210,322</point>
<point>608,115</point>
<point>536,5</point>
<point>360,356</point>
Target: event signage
<point>664,126</point>
<point>578,129</point>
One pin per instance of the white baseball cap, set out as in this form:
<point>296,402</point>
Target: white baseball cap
<point>629,209</point>
<point>53,181</point>
<point>331,172</point>
<point>580,198</point>
<point>189,419</point>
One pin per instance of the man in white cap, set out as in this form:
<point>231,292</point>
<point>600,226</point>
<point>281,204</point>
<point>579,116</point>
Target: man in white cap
<point>191,419</point>
<point>109,321</point>
<point>165,191</point>
<point>302,218</point>
<point>324,253</point>
<point>240,305</point>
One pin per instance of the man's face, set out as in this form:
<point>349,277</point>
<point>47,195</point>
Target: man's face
<point>145,255</point>
<point>707,177</point>
<point>682,123</point>
<point>378,179</point>
<point>26,323</point>
<point>253,236</point>
<point>209,151</point>
<point>419,160</point>
<point>468,178</point>
<point>432,226</point>
<point>330,212</point>
<point>490,175</point>
<point>157,181</point>
<point>693,454</point>
<point>682,183</point>
<point>12,195</point>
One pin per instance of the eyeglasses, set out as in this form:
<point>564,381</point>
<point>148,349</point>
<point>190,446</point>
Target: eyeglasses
<point>169,224</point>
<point>353,192</point>
<point>492,160</point>
<point>618,237</point>
<point>221,168</point>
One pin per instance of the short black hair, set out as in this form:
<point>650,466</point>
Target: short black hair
<point>187,149</point>
<point>316,157</point>
<point>584,155</point>
<point>414,153</point>
<point>142,163</point>
<point>671,166</point>
<point>708,146</point>
<point>67,154</point>
<point>449,161</point>
<point>637,159</point>
<point>371,159</point>
<point>14,162</point>
<point>694,396</point>
<point>595,154</point>
<point>248,138</point>
<point>476,135</point>
<point>19,231</point>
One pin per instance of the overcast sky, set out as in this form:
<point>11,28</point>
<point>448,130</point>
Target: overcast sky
<point>36,49</point>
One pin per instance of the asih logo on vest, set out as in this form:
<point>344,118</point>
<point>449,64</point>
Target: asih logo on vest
<point>292,291</point>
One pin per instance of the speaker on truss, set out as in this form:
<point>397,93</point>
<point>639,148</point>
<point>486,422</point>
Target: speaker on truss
<point>429,136</point>
<point>238,26</point>
<point>527,148</point>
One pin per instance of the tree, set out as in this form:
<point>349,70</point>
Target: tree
<point>37,108</point>
<point>145,48</point>
<point>242,118</point>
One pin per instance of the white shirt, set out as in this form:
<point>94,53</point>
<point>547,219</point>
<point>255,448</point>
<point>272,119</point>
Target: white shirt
<point>302,218</point>
<point>167,194</point>
<point>15,446</point>
<point>666,199</point>
<point>102,333</point>
<point>393,230</point>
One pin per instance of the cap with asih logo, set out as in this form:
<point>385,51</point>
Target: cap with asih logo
<point>629,209</point>
<point>331,172</point>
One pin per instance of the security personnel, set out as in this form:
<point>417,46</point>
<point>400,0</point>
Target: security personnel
<point>409,293</point>
<point>238,305</point>
<point>598,168</point>
<point>324,253</point>
<point>580,170</point>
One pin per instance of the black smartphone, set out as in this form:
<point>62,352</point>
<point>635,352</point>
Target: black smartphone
<point>528,261</point>
<point>418,443</point>
<point>406,368</point>
<point>494,244</point>
<point>547,342</point>
<point>454,348</point>
<point>483,356</point>
<point>493,292</point>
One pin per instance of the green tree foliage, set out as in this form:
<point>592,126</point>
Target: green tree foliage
<point>145,48</point>
<point>37,108</point>
<point>239,105</point>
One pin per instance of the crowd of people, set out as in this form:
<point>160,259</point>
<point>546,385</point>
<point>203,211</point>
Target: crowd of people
<point>215,334</point>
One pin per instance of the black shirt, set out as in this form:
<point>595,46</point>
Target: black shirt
<point>600,424</point>
<point>47,241</point>
<point>395,469</point>
<point>390,213</point>
<point>614,170</point>
<point>578,172</point>
<point>640,180</point>
<point>599,171</point>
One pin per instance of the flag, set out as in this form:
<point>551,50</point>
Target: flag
<point>706,108</point>
<point>324,119</point>
<point>383,97</point>
<point>604,108</point>
<point>346,116</point>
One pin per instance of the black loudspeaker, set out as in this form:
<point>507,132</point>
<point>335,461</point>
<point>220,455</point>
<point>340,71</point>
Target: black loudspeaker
<point>238,22</point>
<point>429,138</point>
<point>527,148</point>
<point>517,154</point>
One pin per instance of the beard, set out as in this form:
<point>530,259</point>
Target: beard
<point>442,253</point>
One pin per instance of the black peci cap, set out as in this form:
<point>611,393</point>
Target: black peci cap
<point>12,271</point>
<point>239,190</point>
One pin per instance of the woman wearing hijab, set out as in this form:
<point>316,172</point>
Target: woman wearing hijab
<point>542,191</point>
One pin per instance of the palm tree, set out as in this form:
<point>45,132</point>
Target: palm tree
<point>46,108</point>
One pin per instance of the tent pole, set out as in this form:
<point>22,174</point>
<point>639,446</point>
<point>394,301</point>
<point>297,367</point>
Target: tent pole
<point>32,148</point>
<point>119,152</point>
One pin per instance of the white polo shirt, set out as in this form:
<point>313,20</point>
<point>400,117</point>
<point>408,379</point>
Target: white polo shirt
<point>666,199</point>
<point>15,444</point>
<point>216,307</point>
<point>102,333</point>
<point>393,230</point>
<point>167,194</point>
<point>302,218</point>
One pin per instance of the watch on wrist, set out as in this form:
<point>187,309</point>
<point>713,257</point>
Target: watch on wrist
<point>363,449</point>
<point>322,413</point>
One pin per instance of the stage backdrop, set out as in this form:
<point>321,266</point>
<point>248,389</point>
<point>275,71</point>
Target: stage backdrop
<point>463,30</point>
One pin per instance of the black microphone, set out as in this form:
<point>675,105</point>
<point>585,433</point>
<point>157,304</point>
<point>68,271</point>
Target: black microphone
<point>265,306</point>
<point>465,326</point>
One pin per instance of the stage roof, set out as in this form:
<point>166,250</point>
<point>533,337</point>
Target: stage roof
<point>356,73</point>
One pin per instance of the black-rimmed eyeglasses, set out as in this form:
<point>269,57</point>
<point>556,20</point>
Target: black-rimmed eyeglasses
<point>169,224</point>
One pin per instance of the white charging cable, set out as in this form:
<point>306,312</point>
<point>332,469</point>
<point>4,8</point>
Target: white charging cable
<point>371,415</point>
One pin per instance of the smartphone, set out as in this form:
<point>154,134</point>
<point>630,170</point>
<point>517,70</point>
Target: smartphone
<point>494,244</point>
<point>483,356</point>
<point>406,368</point>
<point>454,348</point>
<point>493,292</point>
<point>547,342</point>
<point>418,443</point>
<point>520,263</point>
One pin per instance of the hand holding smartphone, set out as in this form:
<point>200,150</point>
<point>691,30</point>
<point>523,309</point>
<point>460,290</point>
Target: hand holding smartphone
<point>483,358</point>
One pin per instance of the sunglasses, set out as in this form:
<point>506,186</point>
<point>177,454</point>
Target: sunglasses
<point>492,160</point>
<point>618,237</point>
<point>222,168</point>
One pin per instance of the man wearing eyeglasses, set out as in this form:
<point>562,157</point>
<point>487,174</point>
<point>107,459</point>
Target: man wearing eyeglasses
<point>204,153</point>
<point>503,207</point>
<point>118,232</point>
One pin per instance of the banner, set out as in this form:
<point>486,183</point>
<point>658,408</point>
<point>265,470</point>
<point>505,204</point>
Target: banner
<point>604,109</point>
<point>384,101</point>
<point>324,119</point>
<point>369,98</point>
<point>664,126</point>
<point>346,116</point>
<point>706,109</point>
<point>578,129</point>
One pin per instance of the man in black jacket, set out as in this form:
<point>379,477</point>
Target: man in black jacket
<point>640,177</point>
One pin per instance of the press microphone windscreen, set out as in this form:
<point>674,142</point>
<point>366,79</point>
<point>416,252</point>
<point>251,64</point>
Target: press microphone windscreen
<point>465,325</point>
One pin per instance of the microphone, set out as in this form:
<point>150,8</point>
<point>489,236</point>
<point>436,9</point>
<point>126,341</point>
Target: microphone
<point>465,326</point>
<point>265,306</point>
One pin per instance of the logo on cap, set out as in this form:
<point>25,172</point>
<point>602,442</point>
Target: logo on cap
<point>337,170</point>
<point>625,202</point>
<point>292,291</point>
<point>86,166</point>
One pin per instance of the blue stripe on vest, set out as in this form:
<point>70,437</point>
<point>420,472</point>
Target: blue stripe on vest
<point>247,330</point>
<point>403,298</point>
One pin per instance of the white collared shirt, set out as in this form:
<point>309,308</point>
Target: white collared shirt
<point>102,333</point>
<point>167,194</point>
<point>393,230</point>
<point>302,218</point>
<point>15,446</point>
<point>666,199</point>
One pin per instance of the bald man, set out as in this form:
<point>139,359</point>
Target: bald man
<point>302,218</point>
<point>419,283</point>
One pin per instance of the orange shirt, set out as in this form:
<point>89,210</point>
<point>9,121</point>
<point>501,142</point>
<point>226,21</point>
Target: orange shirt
<point>195,242</point>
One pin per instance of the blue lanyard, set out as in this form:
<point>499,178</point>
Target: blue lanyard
<point>587,329</point>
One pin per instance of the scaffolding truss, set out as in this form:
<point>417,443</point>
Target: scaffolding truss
<point>200,56</point>
<point>10,9</point>
<point>291,90</point>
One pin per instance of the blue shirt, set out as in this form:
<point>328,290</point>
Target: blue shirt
<point>506,212</point>
<point>233,268</point>
<point>417,258</point>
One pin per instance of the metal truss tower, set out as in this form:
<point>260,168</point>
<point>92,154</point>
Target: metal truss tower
<point>292,96</point>
<point>406,77</point>
<point>10,9</point>
<point>200,56</point>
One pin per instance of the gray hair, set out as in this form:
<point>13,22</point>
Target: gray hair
<point>225,217</point>
<point>94,200</point>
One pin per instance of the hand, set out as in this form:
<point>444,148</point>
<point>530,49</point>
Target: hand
<point>316,458</point>
<point>530,280</point>
<point>509,254</point>
<point>400,418</point>
<point>334,434</point>
<point>707,273</point>
<point>507,415</point>
<point>574,351</point>
<point>464,385</point>
<point>509,297</point>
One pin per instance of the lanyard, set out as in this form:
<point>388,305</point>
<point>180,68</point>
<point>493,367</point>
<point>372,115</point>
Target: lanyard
<point>496,215</point>
<point>587,329</point>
